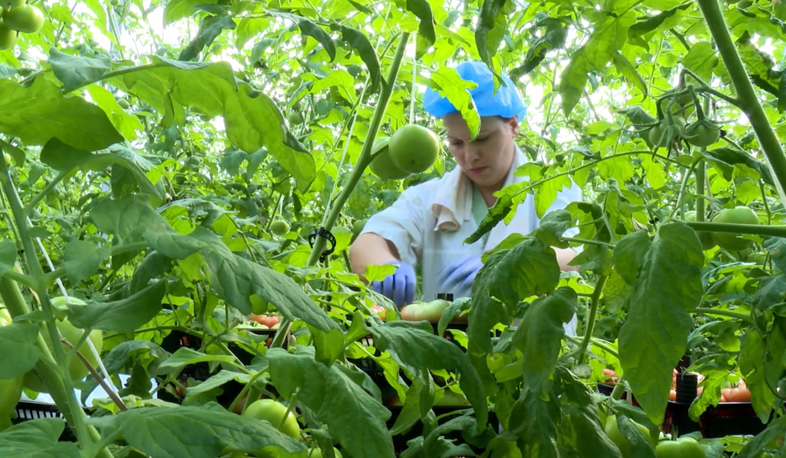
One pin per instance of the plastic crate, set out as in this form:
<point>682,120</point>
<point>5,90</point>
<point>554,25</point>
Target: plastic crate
<point>27,410</point>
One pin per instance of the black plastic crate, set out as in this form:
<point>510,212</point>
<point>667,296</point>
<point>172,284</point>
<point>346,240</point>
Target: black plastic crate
<point>27,410</point>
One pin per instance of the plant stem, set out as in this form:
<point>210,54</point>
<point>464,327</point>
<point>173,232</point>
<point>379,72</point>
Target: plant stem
<point>60,176</point>
<point>67,398</point>
<point>360,168</point>
<point>746,95</point>
<point>591,321</point>
<point>588,242</point>
<point>751,229</point>
<point>710,311</point>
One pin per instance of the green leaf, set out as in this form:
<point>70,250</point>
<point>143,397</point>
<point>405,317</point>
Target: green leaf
<point>179,9</point>
<point>61,156</point>
<point>19,350</point>
<point>125,123</point>
<point>82,259</point>
<point>235,279</point>
<point>252,119</point>
<point>554,37</point>
<point>354,418</point>
<point>591,438</point>
<point>313,30</point>
<point>754,447</point>
<point>128,219</point>
<point>701,59</point>
<point>37,439</point>
<point>534,419</point>
<point>651,23</point>
<point>40,112</point>
<point>509,275</point>
<point>449,83</point>
<point>209,29</point>
<point>416,350</point>
<point>758,368</point>
<point>215,381</point>
<point>626,68</point>
<point>426,33</point>
<point>77,71</point>
<point>185,356</point>
<point>539,336</point>
<point>654,336</point>
<point>491,28</point>
<point>125,315</point>
<point>196,432</point>
<point>8,256</point>
<point>724,160</point>
<point>359,42</point>
<point>629,255</point>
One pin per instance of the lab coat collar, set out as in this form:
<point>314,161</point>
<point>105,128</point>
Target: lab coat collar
<point>453,200</point>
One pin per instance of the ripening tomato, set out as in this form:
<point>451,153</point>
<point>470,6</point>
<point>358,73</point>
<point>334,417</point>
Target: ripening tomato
<point>380,311</point>
<point>739,394</point>
<point>611,376</point>
<point>271,321</point>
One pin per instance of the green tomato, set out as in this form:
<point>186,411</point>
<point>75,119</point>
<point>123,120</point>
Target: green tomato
<point>684,447</point>
<point>414,148</point>
<point>619,439</point>
<point>10,389</point>
<point>72,334</point>
<point>123,104</point>
<point>382,165</point>
<point>279,227</point>
<point>316,452</point>
<point>258,305</point>
<point>273,411</point>
<point>707,242</point>
<point>25,18</point>
<point>8,36</point>
<point>737,215</point>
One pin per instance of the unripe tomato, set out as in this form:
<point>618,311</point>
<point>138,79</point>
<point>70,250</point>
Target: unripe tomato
<point>684,447</point>
<point>738,215</point>
<point>25,18</point>
<point>8,36</point>
<point>71,333</point>
<point>707,242</point>
<point>414,148</point>
<point>382,165</point>
<point>317,453</point>
<point>273,412</point>
<point>10,389</point>
<point>429,311</point>
<point>619,439</point>
<point>279,227</point>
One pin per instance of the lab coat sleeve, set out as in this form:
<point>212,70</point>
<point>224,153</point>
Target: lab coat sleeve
<point>402,224</point>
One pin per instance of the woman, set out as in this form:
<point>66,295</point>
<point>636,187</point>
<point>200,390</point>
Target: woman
<point>429,222</point>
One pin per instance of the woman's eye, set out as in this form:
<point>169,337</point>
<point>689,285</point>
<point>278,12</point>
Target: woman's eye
<point>481,139</point>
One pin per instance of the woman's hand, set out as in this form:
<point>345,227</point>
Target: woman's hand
<point>398,286</point>
<point>460,274</point>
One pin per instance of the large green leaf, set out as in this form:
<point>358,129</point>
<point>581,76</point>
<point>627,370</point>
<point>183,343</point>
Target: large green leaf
<point>353,417</point>
<point>125,315</point>
<point>534,419</point>
<point>760,366</point>
<point>591,438</point>
<point>82,259</point>
<point>37,113</point>
<point>252,119</point>
<point>654,336</point>
<point>426,33</point>
<point>196,432</point>
<point>629,255</point>
<point>17,345</point>
<point>539,336</point>
<point>209,29</point>
<point>416,350</point>
<point>491,28</point>
<point>77,71</point>
<point>449,83</point>
<point>37,439</point>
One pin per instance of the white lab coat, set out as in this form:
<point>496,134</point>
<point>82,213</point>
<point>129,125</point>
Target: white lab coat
<point>430,221</point>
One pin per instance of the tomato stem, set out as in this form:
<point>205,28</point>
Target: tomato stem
<point>747,229</point>
<point>747,99</point>
<point>591,321</point>
<point>740,316</point>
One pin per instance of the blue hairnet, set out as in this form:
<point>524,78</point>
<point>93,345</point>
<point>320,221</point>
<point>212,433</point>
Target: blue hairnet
<point>506,102</point>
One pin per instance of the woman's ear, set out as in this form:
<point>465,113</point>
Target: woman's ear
<point>513,124</point>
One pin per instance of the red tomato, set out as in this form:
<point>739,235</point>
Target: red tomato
<point>380,311</point>
<point>739,394</point>
<point>672,395</point>
<point>611,376</point>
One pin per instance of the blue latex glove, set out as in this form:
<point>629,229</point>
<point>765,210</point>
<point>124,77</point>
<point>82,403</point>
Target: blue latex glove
<point>398,286</point>
<point>459,274</point>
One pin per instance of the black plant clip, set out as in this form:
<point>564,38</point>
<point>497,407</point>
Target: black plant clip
<point>324,233</point>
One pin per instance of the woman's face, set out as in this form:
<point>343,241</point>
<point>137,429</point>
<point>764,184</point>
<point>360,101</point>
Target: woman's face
<point>487,159</point>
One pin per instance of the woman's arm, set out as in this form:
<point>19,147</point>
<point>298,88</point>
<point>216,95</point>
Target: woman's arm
<point>370,248</point>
